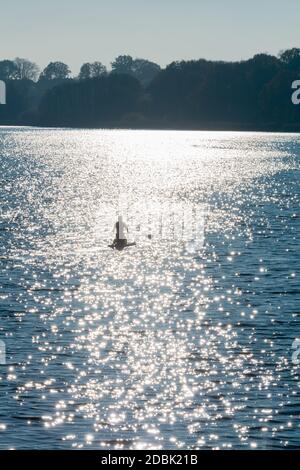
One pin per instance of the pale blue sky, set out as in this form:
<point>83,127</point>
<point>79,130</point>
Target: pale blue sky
<point>161,30</point>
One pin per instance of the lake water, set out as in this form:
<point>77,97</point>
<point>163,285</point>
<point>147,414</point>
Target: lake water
<point>184,341</point>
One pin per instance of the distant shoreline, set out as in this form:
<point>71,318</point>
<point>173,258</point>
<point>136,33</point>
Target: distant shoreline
<point>261,94</point>
<point>230,127</point>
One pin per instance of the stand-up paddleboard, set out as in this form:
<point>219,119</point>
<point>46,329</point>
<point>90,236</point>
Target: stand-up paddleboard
<point>121,246</point>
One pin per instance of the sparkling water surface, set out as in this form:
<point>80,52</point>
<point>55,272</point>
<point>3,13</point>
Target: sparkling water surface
<point>171,344</point>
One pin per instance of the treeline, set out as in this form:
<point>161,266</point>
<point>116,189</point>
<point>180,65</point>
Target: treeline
<point>251,94</point>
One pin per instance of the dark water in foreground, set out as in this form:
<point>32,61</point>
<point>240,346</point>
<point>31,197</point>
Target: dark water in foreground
<point>169,344</point>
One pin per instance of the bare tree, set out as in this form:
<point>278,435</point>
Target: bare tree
<point>26,69</point>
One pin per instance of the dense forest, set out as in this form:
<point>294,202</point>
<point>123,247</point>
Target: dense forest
<point>254,94</point>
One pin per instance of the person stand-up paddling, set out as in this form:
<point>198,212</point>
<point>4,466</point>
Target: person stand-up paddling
<point>120,240</point>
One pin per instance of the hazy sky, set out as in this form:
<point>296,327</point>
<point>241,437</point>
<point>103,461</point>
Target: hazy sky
<point>160,30</point>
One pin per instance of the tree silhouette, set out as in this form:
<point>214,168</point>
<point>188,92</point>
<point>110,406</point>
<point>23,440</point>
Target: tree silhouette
<point>91,70</point>
<point>8,70</point>
<point>142,69</point>
<point>55,71</point>
<point>145,71</point>
<point>291,58</point>
<point>122,64</point>
<point>26,69</point>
